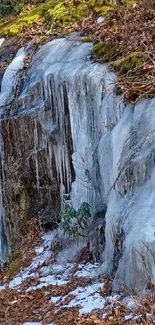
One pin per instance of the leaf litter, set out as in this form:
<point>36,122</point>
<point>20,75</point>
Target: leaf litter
<point>46,292</point>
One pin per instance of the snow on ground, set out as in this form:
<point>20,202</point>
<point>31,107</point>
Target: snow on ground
<point>89,271</point>
<point>87,298</point>
<point>43,253</point>
<point>47,275</point>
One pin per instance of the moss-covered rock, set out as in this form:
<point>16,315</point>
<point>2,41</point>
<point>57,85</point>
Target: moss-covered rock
<point>15,265</point>
<point>106,51</point>
<point>131,62</point>
<point>14,26</point>
<point>57,13</point>
<point>72,11</point>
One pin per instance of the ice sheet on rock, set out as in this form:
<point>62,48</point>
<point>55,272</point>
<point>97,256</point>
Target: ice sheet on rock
<point>69,254</point>
<point>104,133</point>
<point>10,78</point>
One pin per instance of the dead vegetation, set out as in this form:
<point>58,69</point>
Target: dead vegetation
<point>133,31</point>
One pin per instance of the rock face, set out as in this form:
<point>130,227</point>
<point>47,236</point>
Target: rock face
<point>66,133</point>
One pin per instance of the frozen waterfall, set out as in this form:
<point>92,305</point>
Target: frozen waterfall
<point>70,120</point>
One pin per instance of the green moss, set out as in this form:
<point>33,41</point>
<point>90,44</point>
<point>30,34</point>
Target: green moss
<point>69,12</point>
<point>44,38</point>
<point>129,3</point>
<point>15,265</point>
<point>25,19</point>
<point>106,50</point>
<point>59,13</point>
<point>15,255</point>
<point>63,14</point>
<point>133,61</point>
<point>87,39</point>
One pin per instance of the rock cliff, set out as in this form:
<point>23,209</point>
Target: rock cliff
<point>64,131</point>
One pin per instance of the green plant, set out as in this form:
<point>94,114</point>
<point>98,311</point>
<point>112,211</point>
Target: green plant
<point>72,222</point>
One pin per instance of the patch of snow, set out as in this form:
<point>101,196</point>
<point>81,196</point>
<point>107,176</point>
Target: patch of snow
<point>104,315</point>
<point>39,250</point>
<point>13,302</point>
<point>128,317</point>
<point>55,299</point>
<point>47,281</point>
<point>88,298</point>
<point>51,269</point>
<point>130,303</point>
<point>43,254</point>
<point>16,282</point>
<point>100,20</point>
<point>149,316</point>
<point>55,275</point>
<point>89,270</point>
<point>2,41</point>
<point>57,269</point>
<point>53,280</point>
<point>32,324</point>
<point>39,286</point>
<point>137,317</point>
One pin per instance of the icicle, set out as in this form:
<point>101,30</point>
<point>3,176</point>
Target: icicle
<point>50,159</point>
<point>35,148</point>
<point>58,161</point>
